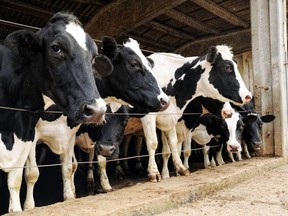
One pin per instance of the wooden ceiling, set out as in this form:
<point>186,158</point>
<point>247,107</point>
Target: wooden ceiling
<point>187,27</point>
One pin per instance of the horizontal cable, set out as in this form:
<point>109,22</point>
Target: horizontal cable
<point>96,162</point>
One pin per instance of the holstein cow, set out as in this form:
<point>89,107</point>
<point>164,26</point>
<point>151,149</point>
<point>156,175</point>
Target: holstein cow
<point>106,139</point>
<point>131,82</point>
<point>251,136</point>
<point>57,61</point>
<point>214,75</point>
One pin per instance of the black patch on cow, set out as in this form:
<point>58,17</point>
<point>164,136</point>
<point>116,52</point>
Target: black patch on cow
<point>223,78</point>
<point>52,113</point>
<point>186,82</point>
<point>8,139</point>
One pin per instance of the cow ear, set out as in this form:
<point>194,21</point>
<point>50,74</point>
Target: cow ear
<point>102,66</point>
<point>23,42</point>
<point>249,119</point>
<point>212,54</point>
<point>151,62</point>
<point>267,118</point>
<point>109,47</point>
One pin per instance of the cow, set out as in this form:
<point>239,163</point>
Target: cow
<point>251,136</point>
<point>56,61</point>
<point>225,125</point>
<point>128,64</point>
<point>213,75</point>
<point>103,141</point>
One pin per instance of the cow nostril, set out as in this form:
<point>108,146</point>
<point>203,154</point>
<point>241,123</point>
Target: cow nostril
<point>88,110</point>
<point>248,98</point>
<point>164,102</point>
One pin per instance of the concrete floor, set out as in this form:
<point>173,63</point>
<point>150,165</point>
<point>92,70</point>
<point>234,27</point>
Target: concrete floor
<point>153,198</point>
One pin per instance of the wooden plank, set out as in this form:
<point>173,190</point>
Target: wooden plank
<point>153,43</point>
<point>27,9</point>
<point>122,16</point>
<point>261,51</point>
<point>180,17</point>
<point>169,30</point>
<point>220,12</point>
<point>201,45</point>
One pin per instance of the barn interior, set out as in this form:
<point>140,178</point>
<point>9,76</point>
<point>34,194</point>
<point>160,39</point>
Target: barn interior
<point>186,27</point>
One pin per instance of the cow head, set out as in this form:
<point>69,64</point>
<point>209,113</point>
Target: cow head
<point>63,57</point>
<point>224,79</point>
<point>131,80</point>
<point>111,134</point>
<point>252,131</point>
<point>236,123</point>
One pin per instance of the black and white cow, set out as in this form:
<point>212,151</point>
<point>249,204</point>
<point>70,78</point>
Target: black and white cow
<point>103,141</point>
<point>57,61</point>
<point>135,79</point>
<point>132,81</point>
<point>213,75</point>
<point>251,136</point>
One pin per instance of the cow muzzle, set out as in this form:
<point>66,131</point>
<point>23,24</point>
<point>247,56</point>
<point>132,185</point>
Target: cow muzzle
<point>106,150</point>
<point>257,146</point>
<point>234,148</point>
<point>93,112</point>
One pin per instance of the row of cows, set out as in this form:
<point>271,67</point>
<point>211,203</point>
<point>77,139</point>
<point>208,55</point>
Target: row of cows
<point>64,93</point>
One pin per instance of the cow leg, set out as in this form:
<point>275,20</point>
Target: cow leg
<point>119,171</point>
<point>206,156</point>
<point>219,158</point>
<point>187,149</point>
<point>104,181</point>
<point>149,128</point>
<point>245,150</point>
<point>230,154</point>
<point>239,156</point>
<point>14,184</point>
<point>138,148</point>
<point>166,153</point>
<point>125,146</point>
<point>31,177</point>
<point>173,143</point>
<point>68,170</point>
<point>90,175</point>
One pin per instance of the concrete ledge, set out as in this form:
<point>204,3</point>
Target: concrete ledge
<point>150,198</point>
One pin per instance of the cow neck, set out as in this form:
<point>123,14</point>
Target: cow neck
<point>22,94</point>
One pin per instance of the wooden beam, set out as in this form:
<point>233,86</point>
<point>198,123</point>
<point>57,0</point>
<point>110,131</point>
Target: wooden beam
<point>180,17</point>
<point>220,12</point>
<point>150,42</point>
<point>122,16</point>
<point>168,30</point>
<point>90,2</point>
<point>201,45</point>
<point>26,8</point>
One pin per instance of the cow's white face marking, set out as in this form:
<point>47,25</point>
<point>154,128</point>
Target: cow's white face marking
<point>78,33</point>
<point>133,44</point>
<point>232,127</point>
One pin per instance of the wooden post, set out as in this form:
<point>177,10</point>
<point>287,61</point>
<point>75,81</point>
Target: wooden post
<point>269,53</point>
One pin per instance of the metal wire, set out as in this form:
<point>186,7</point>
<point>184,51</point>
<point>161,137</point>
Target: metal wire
<point>107,161</point>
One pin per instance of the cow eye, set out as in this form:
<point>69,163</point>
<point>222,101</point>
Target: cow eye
<point>56,49</point>
<point>133,64</point>
<point>228,68</point>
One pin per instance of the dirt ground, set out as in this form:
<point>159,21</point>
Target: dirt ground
<point>257,186</point>
<point>266,194</point>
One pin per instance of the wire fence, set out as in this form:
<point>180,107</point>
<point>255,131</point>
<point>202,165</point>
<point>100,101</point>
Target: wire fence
<point>107,160</point>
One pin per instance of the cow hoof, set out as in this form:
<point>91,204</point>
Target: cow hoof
<point>155,178</point>
<point>184,172</point>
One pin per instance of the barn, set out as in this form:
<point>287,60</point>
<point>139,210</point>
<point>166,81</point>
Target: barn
<point>257,31</point>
